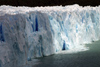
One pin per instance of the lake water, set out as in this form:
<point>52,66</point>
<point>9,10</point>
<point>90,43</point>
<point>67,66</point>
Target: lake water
<point>89,58</point>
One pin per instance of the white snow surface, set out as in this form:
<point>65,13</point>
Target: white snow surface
<point>42,31</point>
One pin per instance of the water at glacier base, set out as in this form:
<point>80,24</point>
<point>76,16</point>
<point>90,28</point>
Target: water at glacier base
<point>90,58</point>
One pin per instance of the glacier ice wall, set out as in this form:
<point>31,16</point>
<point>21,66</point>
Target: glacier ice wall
<point>27,32</point>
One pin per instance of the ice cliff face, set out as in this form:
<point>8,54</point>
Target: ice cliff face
<point>26,32</point>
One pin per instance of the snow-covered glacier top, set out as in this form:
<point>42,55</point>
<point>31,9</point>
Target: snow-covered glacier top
<point>15,10</point>
<point>28,32</point>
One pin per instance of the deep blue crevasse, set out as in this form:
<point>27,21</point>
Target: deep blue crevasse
<point>64,46</point>
<point>36,24</point>
<point>1,34</point>
<point>36,20</point>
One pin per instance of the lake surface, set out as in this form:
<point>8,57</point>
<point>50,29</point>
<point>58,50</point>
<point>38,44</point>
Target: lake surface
<point>89,58</point>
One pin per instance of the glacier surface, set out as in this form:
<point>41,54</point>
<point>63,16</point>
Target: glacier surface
<point>27,32</point>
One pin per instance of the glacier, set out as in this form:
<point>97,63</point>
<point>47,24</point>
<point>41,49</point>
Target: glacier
<point>29,32</point>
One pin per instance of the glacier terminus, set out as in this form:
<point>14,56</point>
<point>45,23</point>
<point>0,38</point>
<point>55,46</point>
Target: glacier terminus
<point>30,32</point>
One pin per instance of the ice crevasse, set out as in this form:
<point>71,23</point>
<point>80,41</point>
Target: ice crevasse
<point>42,31</point>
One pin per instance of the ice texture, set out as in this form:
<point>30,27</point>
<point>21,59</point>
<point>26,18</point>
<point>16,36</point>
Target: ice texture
<point>26,32</point>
